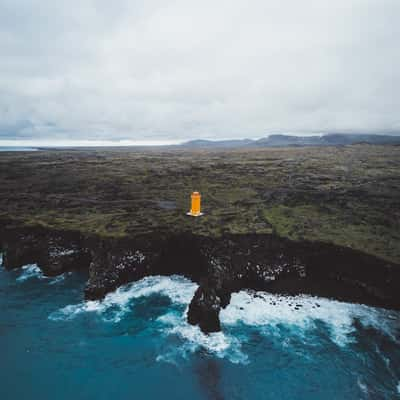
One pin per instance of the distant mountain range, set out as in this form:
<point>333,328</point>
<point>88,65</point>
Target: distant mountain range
<point>334,139</point>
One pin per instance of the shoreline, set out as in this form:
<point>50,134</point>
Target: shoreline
<point>221,266</point>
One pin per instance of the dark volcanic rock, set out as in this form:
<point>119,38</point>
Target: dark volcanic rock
<point>62,254</point>
<point>114,264</point>
<point>118,262</point>
<point>53,252</point>
<point>204,309</point>
<point>270,263</point>
<point>221,266</point>
<point>20,250</point>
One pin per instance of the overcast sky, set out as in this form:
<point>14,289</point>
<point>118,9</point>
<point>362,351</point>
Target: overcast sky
<point>149,70</point>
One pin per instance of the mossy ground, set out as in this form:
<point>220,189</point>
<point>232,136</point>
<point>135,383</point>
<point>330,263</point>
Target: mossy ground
<point>345,195</point>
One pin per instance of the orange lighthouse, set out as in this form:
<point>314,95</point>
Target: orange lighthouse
<point>195,208</point>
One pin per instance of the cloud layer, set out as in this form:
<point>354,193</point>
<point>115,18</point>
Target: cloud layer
<point>162,70</point>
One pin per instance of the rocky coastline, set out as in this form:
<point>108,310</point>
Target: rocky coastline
<point>220,265</point>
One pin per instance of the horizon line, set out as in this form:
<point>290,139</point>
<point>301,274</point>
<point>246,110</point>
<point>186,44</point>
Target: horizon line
<point>149,143</point>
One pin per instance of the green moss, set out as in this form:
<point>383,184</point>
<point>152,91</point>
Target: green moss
<point>348,195</point>
<point>313,223</point>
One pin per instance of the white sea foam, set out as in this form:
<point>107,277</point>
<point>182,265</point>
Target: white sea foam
<point>398,388</point>
<point>383,356</point>
<point>362,385</point>
<point>177,288</point>
<point>30,271</point>
<point>58,279</point>
<point>264,309</point>
<point>193,339</point>
<point>180,291</point>
<point>33,271</point>
<point>258,309</point>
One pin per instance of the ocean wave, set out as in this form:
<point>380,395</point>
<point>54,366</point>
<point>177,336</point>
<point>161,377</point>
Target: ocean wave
<point>30,271</point>
<point>304,312</point>
<point>172,324</point>
<point>193,339</point>
<point>363,386</point>
<point>178,289</point>
<point>58,278</point>
<point>266,312</point>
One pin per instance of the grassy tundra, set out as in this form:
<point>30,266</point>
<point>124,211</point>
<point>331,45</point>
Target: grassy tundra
<point>347,195</point>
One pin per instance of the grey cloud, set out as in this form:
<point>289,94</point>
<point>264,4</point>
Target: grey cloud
<point>184,69</point>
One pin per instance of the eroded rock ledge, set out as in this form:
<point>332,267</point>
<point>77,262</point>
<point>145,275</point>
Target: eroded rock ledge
<point>220,266</point>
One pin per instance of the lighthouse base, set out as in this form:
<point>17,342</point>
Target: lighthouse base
<point>194,215</point>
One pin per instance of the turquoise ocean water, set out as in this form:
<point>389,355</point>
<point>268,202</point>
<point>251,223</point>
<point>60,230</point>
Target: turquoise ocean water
<point>136,344</point>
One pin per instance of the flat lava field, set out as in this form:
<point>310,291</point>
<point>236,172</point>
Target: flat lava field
<point>347,195</point>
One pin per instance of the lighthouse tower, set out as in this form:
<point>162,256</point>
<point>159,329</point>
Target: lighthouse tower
<point>195,207</point>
